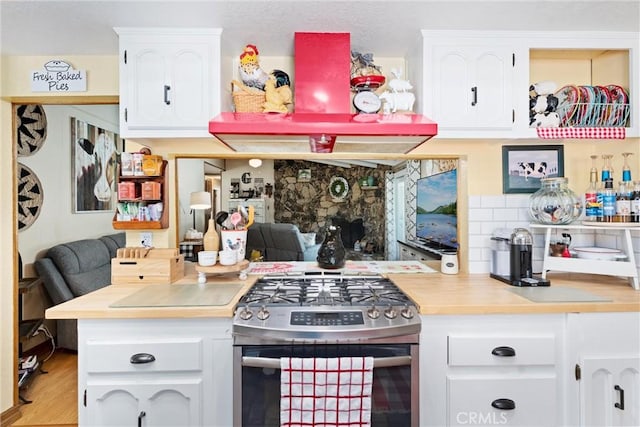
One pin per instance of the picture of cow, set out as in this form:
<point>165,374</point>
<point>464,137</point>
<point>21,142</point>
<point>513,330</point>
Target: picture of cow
<point>95,166</point>
<point>525,166</point>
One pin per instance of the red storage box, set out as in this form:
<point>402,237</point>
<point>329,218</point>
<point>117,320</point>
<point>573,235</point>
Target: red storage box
<point>126,191</point>
<point>151,190</point>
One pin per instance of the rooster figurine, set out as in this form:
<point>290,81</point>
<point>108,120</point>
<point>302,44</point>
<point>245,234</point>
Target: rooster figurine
<point>250,72</point>
<point>277,93</point>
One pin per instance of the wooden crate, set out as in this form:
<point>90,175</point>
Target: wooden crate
<point>138,265</point>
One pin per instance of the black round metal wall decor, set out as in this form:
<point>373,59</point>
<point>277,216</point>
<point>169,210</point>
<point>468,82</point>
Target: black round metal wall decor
<point>31,128</point>
<point>30,197</point>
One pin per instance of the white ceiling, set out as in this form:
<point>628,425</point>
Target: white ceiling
<point>384,27</point>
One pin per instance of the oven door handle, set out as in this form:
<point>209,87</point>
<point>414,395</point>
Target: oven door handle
<point>274,363</point>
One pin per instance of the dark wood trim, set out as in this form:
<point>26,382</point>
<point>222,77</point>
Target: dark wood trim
<point>10,416</point>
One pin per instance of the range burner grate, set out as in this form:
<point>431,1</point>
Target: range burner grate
<point>334,290</point>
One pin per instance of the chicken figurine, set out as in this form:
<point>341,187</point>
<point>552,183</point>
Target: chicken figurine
<point>250,72</point>
<point>277,93</point>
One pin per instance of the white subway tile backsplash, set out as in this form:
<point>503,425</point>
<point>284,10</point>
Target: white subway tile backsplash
<point>475,227</point>
<point>506,214</point>
<point>517,201</point>
<point>479,241</point>
<point>480,214</point>
<point>492,202</point>
<point>478,267</point>
<point>474,202</point>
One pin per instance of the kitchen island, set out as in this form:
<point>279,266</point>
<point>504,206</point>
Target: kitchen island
<point>462,316</point>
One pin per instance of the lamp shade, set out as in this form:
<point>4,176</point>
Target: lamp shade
<point>200,200</point>
<point>255,163</point>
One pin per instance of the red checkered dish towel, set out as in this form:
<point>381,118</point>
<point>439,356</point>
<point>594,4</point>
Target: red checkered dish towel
<point>326,392</point>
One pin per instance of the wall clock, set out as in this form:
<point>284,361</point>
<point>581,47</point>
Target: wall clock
<point>30,197</point>
<point>31,128</point>
<point>338,188</point>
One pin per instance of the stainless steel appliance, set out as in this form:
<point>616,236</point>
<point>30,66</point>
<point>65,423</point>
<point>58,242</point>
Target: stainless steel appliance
<point>325,314</point>
<point>520,261</point>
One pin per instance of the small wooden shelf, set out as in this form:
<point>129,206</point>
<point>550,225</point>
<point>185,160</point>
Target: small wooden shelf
<point>146,225</point>
<point>369,187</point>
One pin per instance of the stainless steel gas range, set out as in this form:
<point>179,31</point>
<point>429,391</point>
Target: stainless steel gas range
<point>325,314</point>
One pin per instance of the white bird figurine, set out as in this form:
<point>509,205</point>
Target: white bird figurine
<point>250,72</point>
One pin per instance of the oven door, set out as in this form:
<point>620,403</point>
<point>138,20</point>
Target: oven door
<point>395,381</point>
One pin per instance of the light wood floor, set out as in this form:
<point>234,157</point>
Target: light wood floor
<point>54,395</point>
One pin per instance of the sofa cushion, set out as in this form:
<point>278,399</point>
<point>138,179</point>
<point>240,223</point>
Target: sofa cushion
<point>84,264</point>
<point>114,242</point>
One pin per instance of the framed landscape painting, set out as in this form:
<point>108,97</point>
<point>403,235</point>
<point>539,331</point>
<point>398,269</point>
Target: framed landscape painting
<point>523,166</point>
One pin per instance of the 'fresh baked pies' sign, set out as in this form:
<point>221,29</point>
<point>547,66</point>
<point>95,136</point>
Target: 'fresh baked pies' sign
<point>58,76</point>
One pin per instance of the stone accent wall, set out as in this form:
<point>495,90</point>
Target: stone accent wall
<point>310,206</point>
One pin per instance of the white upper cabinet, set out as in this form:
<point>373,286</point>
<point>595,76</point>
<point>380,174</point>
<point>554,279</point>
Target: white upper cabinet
<point>476,84</point>
<point>169,81</point>
<point>469,85</point>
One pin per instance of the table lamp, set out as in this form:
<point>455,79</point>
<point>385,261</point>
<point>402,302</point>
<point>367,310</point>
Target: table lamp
<point>199,200</point>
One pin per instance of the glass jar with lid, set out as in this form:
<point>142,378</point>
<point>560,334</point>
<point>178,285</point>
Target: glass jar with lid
<point>554,203</point>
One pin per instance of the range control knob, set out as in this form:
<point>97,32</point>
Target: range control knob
<point>246,314</point>
<point>390,313</point>
<point>406,312</point>
<point>263,313</point>
<point>373,312</point>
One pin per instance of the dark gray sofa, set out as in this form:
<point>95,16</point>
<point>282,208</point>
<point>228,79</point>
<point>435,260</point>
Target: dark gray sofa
<point>72,269</point>
<point>280,242</point>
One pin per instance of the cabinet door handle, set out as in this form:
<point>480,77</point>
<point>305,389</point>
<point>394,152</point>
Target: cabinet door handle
<point>167,88</point>
<point>504,404</point>
<point>140,358</point>
<point>140,417</point>
<point>620,404</point>
<point>474,91</point>
<point>503,351</point>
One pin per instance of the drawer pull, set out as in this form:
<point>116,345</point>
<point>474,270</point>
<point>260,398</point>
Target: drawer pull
<point>503,351</point>
<point>620,404</point>
<point>140,417</point>
<point>140,358</point>
<point>504,404</point>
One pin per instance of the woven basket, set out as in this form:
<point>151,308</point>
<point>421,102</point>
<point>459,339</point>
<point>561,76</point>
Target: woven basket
<point>247,100</point>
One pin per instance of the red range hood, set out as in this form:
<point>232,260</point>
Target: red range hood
<point>322,121</point>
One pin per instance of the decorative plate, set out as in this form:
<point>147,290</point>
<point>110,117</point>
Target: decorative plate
<point>31,128</point>
<point>338,187</point>
<point>29,197</point>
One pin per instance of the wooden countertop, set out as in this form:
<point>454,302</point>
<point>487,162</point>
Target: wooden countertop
<point>435,293</point>
<point>480,294</point>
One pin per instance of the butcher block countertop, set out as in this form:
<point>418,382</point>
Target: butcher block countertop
<point>434,293</point>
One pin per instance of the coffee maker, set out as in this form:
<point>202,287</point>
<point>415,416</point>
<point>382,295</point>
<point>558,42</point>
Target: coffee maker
<point>520,261</point>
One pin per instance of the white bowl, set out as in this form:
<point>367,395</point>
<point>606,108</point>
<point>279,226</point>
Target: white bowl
<point>207,258</point>
<point>228,257</point>
<point>607,254</point>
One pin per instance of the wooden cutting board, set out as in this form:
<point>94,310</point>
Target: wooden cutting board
<point>218,294</point>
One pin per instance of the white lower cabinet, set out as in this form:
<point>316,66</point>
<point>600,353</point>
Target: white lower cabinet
<point>604,349</point>
<point>155,372</point>
<point>491,370</point>
<point>511,400</point>
<point>173,403</point>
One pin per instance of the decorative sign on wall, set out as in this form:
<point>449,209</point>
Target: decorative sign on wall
<point>58,76</point>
